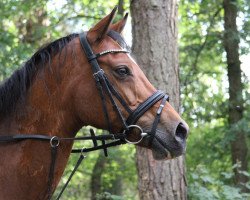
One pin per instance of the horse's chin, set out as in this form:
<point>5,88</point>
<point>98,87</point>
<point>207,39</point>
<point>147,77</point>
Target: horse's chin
<point>165,147</point>
<point>160,152</point>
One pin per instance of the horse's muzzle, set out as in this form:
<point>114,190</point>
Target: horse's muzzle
<point>167,146</point>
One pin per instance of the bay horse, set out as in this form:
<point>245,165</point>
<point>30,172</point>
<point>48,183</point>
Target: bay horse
<point>62,88</point>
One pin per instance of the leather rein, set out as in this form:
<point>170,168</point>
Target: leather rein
<point>105,89</point>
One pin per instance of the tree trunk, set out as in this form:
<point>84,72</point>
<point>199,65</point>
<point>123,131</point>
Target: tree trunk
<point>97,175</point>
<point>154,26</point>
<point>235,113</point>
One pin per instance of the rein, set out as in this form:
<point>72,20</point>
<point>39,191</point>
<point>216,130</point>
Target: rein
<point>106,90</point>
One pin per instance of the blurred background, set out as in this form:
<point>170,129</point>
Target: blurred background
<point>213,171</point>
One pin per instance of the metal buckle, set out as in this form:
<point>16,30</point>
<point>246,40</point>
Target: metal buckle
<point>82,151</point>
<point>140,129</point>
<point>54,141</point>
<point>98,73</point>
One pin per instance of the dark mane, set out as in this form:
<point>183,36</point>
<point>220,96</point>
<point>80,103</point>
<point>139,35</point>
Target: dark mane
<point>15,88</point>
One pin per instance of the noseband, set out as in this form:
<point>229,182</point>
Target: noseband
<point>104,85</point>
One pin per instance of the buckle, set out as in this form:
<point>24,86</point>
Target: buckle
<point>99,74</point>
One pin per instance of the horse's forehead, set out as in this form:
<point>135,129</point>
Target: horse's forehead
<point>106,44</point>
<point>109,44</point>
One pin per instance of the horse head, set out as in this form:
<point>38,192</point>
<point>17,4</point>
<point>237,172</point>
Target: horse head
<point>165,133</point>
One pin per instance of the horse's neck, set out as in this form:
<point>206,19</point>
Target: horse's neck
<point>29,161</point>
<point>41,113</point>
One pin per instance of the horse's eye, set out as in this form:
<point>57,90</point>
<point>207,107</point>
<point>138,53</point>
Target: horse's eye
<point>122,71</point>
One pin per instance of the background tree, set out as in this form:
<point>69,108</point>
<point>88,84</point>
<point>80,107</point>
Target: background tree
<point>154,26</point>
<point>205,96</point>
<point>231,42</point>
<point>96,177</point>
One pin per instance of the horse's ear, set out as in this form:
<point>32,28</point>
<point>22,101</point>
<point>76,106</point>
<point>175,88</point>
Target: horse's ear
<point>119,26</point>
<point>97,33</point>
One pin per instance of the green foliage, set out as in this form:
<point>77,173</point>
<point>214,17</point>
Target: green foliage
<point>108,196</point>
<point>205,97</point>
<point>120,164</point>
<point>26,25</point>
<point>21,34</point>
<point>206,187</point>
<point>79,187</point>
<point>207,147</point>
<point>202,69</point>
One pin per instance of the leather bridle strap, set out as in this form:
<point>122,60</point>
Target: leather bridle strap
<point>54,149</point>
<point>101,79</point>
<point>157,119</point>
<point>20,137</point>
<point>143,107</point>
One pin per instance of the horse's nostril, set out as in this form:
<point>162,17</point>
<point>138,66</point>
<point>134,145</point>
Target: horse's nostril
<point>181,131</point>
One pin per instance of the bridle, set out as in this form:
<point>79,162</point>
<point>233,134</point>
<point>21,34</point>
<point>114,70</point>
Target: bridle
<point>106,90</point>
<point>104,85</point>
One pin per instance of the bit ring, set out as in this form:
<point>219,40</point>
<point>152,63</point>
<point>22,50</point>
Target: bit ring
<point>141,133</point>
